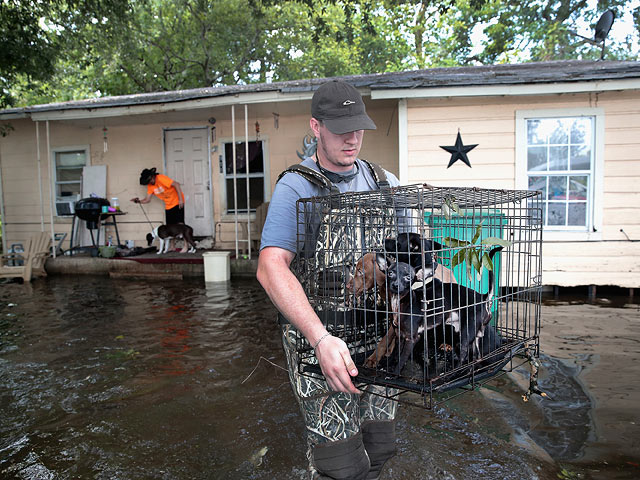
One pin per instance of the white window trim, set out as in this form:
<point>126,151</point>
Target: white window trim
<point>225,214</point>
<point>597,194</point>
<point>54,174</point>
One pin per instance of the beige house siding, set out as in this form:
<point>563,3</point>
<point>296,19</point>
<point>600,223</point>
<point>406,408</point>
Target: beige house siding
<point>606,256</point>
<point>282,143</point>
<point>491,122</point>
<point>136,142</point>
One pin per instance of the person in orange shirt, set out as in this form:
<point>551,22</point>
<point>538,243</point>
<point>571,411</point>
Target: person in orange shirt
<point>165,189</point>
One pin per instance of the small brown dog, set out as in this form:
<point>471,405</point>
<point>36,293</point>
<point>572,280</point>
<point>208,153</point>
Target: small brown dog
<point>367,274</point>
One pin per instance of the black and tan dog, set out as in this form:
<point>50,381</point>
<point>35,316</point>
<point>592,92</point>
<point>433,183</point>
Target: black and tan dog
<point>164,233</point>
<point>465,310</point>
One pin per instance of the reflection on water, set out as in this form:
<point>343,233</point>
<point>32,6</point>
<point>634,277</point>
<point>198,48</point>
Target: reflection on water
<point>104,378</point>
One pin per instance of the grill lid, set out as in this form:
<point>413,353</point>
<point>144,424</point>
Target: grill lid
<point>89,208</point>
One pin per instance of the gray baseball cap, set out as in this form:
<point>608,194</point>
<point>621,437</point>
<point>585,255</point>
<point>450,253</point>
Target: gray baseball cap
<point>340,107</point>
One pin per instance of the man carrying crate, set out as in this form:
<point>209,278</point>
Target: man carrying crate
<point>350,433</point>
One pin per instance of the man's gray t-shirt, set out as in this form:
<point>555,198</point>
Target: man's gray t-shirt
<point>280,228</point>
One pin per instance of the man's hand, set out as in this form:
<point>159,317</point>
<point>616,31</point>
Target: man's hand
<point>336,364</point>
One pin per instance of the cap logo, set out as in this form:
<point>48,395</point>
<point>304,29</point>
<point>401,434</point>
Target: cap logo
<point>348,102</point>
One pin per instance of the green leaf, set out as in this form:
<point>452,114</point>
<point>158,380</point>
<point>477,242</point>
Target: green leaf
<point>496,241</point>
<point>458,258</point>
<point>446,211</point>
<point>449,205</point>
<point>486,261</point>
<point>478,233</point>
<point>467,260</point>
<point>475,260</point>
<point>454,242</point>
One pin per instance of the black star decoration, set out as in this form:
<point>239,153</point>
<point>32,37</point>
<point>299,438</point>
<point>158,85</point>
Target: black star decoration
<point>459,151</point>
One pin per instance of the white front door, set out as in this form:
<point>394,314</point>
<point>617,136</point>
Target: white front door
<point>188,163</point>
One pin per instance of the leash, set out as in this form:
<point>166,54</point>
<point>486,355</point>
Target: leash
<point>145,214</point>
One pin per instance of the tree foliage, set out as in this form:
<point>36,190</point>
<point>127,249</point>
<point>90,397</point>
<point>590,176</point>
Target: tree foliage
<point>68,49</point>
<point>36,35</point>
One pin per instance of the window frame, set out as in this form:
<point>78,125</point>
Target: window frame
<point>54,174</point>
<point>224,176</point>
<point>593,230</point>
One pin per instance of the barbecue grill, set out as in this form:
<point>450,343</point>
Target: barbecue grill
<point>89,210</point>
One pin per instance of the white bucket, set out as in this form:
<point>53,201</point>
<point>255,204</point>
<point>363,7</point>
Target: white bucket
<point>217,266</point>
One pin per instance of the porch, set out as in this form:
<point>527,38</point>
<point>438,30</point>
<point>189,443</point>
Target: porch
<point>172,265</point>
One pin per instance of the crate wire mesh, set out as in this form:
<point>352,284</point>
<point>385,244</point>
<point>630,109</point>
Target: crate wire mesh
<point>336,231</point>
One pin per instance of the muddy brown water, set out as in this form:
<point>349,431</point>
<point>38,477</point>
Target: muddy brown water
<point>118,379</point>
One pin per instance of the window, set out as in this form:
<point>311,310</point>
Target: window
<point>558,155</point>
<point>68,164</point>
<point>255,176</point>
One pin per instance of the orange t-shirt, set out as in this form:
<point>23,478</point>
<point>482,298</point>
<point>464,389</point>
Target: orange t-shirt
<point>164,191</point>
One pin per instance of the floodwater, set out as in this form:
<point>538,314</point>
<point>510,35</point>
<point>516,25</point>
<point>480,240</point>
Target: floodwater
<point>117,379</point>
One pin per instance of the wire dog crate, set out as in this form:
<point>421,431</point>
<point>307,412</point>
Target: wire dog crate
<point>447,333</point>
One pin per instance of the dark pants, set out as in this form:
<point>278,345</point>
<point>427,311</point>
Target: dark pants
<point>174,215</point>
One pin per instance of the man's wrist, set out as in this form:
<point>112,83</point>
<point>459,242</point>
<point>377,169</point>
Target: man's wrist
<point>322,337</point>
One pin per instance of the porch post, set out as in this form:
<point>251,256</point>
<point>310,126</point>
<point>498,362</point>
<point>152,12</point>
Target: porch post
<point>246,156</point>
<point>39,175</point>
<point>403,142</point>
<point>52,200</point>
<point>2,216</point>
<point>235,186</point>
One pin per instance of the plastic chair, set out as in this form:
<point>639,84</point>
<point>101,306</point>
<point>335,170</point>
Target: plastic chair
<point>36,252</point>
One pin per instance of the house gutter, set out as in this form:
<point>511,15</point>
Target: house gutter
<point>435,91</point>
<point>507,90</point>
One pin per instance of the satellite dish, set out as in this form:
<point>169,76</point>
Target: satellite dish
<point>601,31</point>
<point>604,25</point>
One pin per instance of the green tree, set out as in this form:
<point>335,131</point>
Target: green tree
<point>64,50</point>
<point>36,35</point>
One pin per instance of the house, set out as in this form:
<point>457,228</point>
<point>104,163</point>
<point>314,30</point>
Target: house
<point>568,128</point>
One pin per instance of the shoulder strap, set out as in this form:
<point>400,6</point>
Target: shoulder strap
<point>321,180</point>
<point>378,174</point>
<point>310,175</point>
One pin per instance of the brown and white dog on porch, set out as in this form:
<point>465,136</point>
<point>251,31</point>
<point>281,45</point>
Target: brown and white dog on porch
<point>164,233</point>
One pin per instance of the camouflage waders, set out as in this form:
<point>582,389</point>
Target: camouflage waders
<point>349,436</point>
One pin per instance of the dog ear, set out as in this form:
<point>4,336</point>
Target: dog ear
<point>381,261</point>
<point>413,241</point>
<point>390,245</point>
<point>436,245</point>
